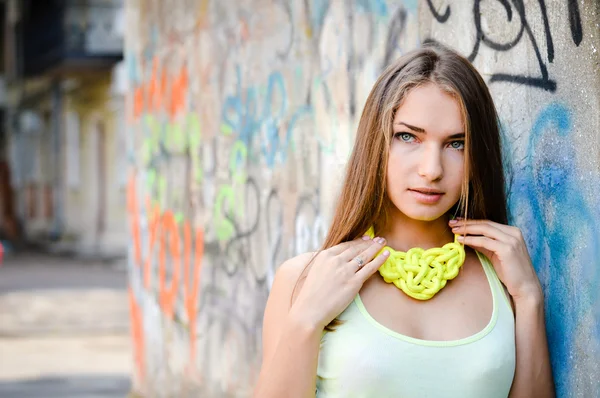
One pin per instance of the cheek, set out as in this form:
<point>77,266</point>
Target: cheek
<point>397,168</point>
<point>455,168</point>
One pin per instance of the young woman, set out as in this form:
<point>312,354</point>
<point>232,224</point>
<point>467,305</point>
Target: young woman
<point>462,319</point>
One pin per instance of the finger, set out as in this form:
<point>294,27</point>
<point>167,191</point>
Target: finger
<point>482,242</point>
<point>355,250</point>
<point>371,251</point>
<point>507,229</point>
<point>342,247</point>
<point>369,269</point>
<point>487,230</point>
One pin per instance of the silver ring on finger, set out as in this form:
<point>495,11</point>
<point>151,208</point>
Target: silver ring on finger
<point>359,261</point>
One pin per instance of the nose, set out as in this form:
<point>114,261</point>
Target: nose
<point>430,165</point>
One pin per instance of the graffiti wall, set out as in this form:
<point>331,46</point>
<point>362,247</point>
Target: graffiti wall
<point>241,116</point>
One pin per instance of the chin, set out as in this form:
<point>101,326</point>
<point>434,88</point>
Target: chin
<point>423,212</point>
<point>424,216</point>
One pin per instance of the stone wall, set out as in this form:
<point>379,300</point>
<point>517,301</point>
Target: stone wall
<point>241,116</point>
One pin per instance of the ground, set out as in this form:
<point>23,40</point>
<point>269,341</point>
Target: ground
<point>63,328</point>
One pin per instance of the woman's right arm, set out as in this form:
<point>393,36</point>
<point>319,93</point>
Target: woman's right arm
<point>290,343</point>
<point>291,336</point>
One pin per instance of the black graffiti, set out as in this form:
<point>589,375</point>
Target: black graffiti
<point>439,17</point>
<point>283,54</point>
<point>544,82</point>
<point>230,314</point>
<point>512,8</point>
<point>234,294</point>
<point>237,250</point>
<point>395,31</point>
<point>575,22</point>
<point>273,223</point>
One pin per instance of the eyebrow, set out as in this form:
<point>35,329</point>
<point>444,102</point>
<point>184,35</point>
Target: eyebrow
<point>421,130</point>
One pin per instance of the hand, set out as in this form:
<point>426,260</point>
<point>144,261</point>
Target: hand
<point>335,278</point>
<point>506,249</point>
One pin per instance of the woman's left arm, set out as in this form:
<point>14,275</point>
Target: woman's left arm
<point>533,375</point>
<point>505,247</point>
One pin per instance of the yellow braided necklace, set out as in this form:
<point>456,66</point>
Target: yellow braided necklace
<point>419,273</point>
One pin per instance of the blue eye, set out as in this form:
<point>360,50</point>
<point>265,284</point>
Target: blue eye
<point>457,145</point>
<point>405,137</point>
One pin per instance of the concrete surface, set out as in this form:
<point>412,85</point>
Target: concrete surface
<point>63,328</point>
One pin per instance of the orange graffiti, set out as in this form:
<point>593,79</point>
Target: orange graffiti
<point>135,225</point>
<point>244,30</point>
<point>137,334</point>
<point>152,231</point>
<point>178,90</point>
<point>192,290</point>
<point>164,227</point>
<point>169,294</point>
<point>161,92</point>
<point>138,102</point>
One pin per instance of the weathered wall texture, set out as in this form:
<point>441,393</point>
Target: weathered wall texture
<point>241,116</point>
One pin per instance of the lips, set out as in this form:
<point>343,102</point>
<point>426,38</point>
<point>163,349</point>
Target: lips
<point>427,195</point>
<point>429,191</point>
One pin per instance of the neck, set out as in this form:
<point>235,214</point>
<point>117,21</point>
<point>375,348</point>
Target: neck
<point>403,233</point>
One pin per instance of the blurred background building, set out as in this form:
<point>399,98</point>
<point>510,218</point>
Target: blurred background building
<point>63,303</point>
<point>62,149</point>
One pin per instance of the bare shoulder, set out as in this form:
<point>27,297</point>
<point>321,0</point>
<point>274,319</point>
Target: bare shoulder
<point>286,285</point>
<point>291,274</point>
<point>293,268</point>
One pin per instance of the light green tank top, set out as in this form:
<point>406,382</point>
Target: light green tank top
<point>364,359</point>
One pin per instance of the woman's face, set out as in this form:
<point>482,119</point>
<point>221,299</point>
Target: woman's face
<point>426,161</point>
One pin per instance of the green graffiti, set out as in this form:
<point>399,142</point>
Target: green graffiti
<point>226,129</point>
<point>162,138</point>
<point>151,143</point>
<point>193,129</point>
<point>195,138</point>
<point>150,179</point>
<point>175,138</point>
<point>146,151</point>
<point>223,226</point>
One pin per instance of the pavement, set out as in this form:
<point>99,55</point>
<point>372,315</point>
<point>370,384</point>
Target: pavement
<point>64,327</point>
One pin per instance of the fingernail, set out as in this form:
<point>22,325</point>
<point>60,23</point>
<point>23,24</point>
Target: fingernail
<point>381,241</point>
<point>460,237</point>
<point>386,253</point>
<point>453,221</point>
<point>366,237</point>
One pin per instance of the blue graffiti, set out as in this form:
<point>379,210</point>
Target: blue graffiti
<point>562,234</point>
<point>152,46</point>
<point>256,113</point>
<point>377,7</point>
<point>411,6</point>
<point>132,68</point>
<point>318,10</point>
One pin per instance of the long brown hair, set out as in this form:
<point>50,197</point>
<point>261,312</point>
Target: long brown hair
<point>363,198</point>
